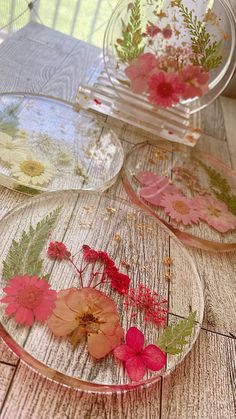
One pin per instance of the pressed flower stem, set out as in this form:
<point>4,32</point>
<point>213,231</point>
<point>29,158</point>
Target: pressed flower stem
<point>78,271</point>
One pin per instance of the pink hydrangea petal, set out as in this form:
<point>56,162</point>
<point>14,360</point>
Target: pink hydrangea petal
<point>138,85</point>
<point>147,62</point>
<point>124,352</point>
<point>153,358</point>
<point>132,72</point>
<point>135,368</point>
<point>191,92</point>
<point>24,316</point>
<point>135,339</point>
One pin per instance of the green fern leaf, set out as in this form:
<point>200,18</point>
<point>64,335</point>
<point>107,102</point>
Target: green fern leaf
<point>129,45</point>
<point>23,256</point>
<point>209,52</point>
<point>220,187</point>
<point>174,337</point>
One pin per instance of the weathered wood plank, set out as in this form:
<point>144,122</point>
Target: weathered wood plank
<point>6,374</point>
<point>203,386</point>
<point>229,111</point>
<point>6,355</point>
<point>36,397</point>
<point>212,120</point>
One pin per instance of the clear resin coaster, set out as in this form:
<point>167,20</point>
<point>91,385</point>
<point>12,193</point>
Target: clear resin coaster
<point>47,144</point>
<point>191,192</point>
<point>166,60</point>
<point>96,294</point>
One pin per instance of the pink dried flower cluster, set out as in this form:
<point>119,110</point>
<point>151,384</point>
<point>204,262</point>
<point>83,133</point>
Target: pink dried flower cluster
<point>143,299</point>
<point>119,281</point>
<point>167,79</point>
<point>153,30</point>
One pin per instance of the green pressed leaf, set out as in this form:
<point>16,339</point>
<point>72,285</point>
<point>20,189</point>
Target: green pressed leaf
<point>129,45</point>
<point>23,256</point>
<point>174,337</point>
<point>207,52</point>
<point>220,187</point>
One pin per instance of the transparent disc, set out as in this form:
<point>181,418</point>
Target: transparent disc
<point>171,31</point>
<point>139,246</point>
<point>47,144</point>
<point>189,190</point>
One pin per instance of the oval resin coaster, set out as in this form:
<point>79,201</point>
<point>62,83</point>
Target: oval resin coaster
<point>96,294</point>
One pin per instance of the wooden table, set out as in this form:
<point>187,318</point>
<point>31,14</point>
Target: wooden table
<point>41,60</point>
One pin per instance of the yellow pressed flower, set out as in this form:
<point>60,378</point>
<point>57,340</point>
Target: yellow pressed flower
<point>32,170</point>
<point>12,148</point>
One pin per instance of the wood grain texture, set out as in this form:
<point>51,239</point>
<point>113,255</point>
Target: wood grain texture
<point>6,374</point>
<point>6,355</point>
<point>229,112</point>
<point>35,397</point>
<point>203,385</point>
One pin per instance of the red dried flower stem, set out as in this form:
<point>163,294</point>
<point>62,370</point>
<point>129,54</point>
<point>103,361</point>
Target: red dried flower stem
<point>78,271</point>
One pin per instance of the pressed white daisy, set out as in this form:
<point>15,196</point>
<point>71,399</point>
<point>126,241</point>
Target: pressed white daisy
<point>32,170</point>
<point>12,148</point>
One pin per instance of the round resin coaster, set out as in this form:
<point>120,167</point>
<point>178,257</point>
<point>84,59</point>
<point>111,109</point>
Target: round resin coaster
<point>47,145</point>
<point>129,301</point>
<point>192,193</point>
<point>170,53</point>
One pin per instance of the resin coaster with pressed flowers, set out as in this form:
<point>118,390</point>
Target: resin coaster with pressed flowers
<point>96,294</point>
<point>46,145</point>
<point>164,61</point>
<point>192,192</point>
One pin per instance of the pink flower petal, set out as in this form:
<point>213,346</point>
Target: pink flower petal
<point>139,85</point>
<point>124,352</point>
<point>153,358</point>
<point>135,339</point>
<point>8,299</point>
<point>151,194</point>
<point>135,368</point>
<point>147,178</point>
<point>11,308</point>
<point>24,316</point>
<point>99,345</point>
<point>61,327</point>
<point>43,312</point>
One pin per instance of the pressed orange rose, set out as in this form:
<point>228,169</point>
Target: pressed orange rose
<point>87,313</point>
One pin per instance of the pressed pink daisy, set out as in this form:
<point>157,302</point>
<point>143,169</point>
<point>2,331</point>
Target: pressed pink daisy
<point>139,71</point>
<point>164,89</point>
<point>29,298</point>
<point>215,213</point>
<point>181,209</point>
<point>195,79</point>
